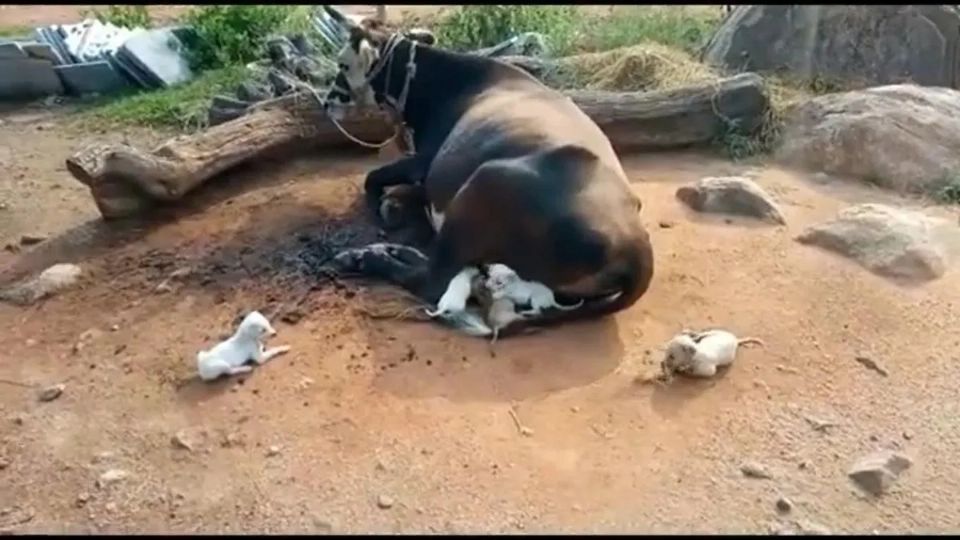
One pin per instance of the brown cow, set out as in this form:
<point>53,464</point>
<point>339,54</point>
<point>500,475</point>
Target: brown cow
<point>511,172</point>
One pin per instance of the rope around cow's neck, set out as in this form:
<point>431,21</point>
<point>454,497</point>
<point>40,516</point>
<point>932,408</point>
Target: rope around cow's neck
<point>397,105</point>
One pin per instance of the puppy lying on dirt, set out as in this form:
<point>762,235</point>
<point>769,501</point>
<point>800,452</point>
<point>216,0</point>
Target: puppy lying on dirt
<point>230,357</point>
<point>699,354</point>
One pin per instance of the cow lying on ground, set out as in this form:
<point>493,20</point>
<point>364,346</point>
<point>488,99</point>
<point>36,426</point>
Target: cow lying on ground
<point>509,171</point>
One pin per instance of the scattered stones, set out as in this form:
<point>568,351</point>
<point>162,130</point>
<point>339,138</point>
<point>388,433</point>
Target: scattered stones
<point>51,393</point>
<point>731,195</point>
<point>890,242</point>
<point>51,281</point>
<point>385,502</point>
<point>877,472</point>
<point>111,477</point>
<point>872,365</point>
<point>752,469</point>
<point>784,505</point>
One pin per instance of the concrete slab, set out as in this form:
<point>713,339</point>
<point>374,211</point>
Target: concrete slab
<point>158,52</point>
<point>41,51</point>
<point>90,77</point>
<point>28,78</point>
<point>11,50</point>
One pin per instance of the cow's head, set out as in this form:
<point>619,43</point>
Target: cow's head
<point>362,57</point>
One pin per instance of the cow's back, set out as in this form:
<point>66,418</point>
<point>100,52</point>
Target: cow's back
<point>512,119</point>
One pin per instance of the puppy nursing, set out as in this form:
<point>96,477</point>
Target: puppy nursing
<point>230,356</point>
<point>503,282</point>
<point>499,290</point>
<point>699,354</point>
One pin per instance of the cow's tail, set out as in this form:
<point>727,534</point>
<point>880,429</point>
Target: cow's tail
<point>629,281</point>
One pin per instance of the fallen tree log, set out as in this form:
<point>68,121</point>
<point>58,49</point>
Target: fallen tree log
<point>125,181</point>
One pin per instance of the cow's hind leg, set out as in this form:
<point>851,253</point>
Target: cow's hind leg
<point>408,170</point>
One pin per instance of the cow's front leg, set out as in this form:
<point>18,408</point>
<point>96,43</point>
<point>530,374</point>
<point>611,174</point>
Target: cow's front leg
<point>408,170</point>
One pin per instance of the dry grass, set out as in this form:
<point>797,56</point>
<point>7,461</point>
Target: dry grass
<point>648,66</point>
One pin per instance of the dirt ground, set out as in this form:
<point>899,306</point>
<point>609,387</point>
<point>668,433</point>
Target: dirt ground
<point>386,426</point>
<point>366,414</point>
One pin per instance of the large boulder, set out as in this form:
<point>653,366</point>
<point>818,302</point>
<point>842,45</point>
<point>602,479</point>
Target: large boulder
<point>901,137</point>
<point>869,44</point>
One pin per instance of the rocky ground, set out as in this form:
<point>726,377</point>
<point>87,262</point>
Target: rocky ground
<point>374,425</point>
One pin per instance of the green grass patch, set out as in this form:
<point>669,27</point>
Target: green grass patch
<point>681,27</point>
<point>948,191</point>
<point>15,31</point>
<point>183,107</point>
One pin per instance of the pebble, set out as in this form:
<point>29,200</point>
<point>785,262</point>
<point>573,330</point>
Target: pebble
<point>305,382</point>
<point>83,498</point>
<point>181,441</point>
<point>4,463</point>
<point>385,502</point>
<point>112,477</point>
<point>755,470</point>
<point>273,451</point>
<point>784,505</point>
<point>51,393</point>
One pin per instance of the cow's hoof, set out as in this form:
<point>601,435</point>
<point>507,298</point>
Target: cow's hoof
<point>348,262</point>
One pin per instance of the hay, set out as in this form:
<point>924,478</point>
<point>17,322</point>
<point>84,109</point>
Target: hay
<point>648,66</point>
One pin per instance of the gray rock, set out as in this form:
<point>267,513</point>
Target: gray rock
<point>385,502</point>
<point>890,242</point>
<point>27,78</point>
<point>900,137</point>
<point>111,477</point>
<point>784,505</point>
<point>731,195</point>
<point>252,92</point>
<point>51,281</point>
<point>51,393</point>
<point>91,78</point>
<point>849,42</point>
<point>877,472</point>
<point>755,470</point>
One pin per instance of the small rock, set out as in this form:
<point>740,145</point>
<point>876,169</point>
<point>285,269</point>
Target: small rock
<point>19,419</point>
<point>731,195</point>
<point>4,463</point>
<point>115,328</point>
<point>111,477</point>
<point>32,239</point>
<point>755,470</point>
<point>83,498</point>
<point>110,507</point>
<point>872,365</point>
<point>181,440</point>
<point>273,451</point>
<point>784,505</point>
<point>305,382</point>
<point>907,435</point>
<point>51,393</point>
<point>322,525</point>
<point>292,317</point>
<point>31,342</point>
<point>810,528</point>
<point>51,281</point>
<point>666,224</point>
<point>385,502</point>
<point>877,472</point>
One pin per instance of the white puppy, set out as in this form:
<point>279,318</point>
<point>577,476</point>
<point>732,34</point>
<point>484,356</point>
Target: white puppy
<point>700,353</point>
<point>503,282</point>
<point>454,300</point>
<point>229,357</point>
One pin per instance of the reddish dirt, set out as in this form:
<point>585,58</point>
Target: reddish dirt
<point>363,409</point>
<point>386,426</point>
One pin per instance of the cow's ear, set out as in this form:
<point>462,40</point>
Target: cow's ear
<point>421,35</point>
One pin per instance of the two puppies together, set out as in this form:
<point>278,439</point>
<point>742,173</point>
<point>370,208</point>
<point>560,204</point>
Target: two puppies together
<point>505,291</point>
